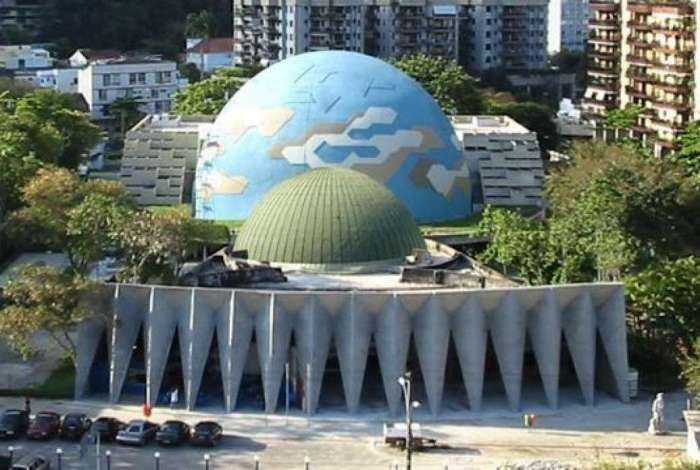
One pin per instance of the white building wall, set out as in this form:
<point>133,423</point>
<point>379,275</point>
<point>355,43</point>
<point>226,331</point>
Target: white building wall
<point>61,80</point>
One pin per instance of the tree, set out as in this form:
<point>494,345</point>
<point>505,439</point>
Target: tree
<point>535,117</point>
<point>454,90</point>
<point>127,111</point>
<point>63,213</point>
<point>44,299</point>
<point>211,95</point>
<point>688,152</point>
<point>200,25</point>
<point>623,118</point>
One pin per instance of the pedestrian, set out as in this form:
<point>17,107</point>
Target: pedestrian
<point>28,405</point>
<point>656,422</point>
<point>173,398</point>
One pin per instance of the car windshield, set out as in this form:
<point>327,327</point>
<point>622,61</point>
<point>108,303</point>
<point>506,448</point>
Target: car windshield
<point>72,420</point>
<point>170,427</point>
<point>102,424</point>
<point>10,419</point>
<point>134,428</point>
<point>206,427</point>
<point>44,419</point>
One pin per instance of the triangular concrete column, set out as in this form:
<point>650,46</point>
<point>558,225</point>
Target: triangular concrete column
<point>313,334</point>
<point>579,324</point>
<point>234,332</point>
<point>131,305</point>
<point>203,312</point>
<point>507,325</point>
<point>392,337</point>
<point>432,336</point>
<point>613,334</point>
<point>353,327</point>
<point>273,329</point>
<point>470,332</point>
<point>90,334</point>
<point>544,327</point>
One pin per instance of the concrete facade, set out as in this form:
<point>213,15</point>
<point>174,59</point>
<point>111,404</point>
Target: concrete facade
<point>590,317</point>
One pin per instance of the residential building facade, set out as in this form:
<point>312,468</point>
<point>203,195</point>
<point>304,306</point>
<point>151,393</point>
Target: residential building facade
<point>63,80</point>
<point>568,25</point>
<point>480,34</point>
<point>152,82</point>
<point>24,57</point>
<point>210,55</point>
<point>23,14</point>
<point>646,56</point>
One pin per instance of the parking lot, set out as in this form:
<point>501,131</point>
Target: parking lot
<point>574,434</point>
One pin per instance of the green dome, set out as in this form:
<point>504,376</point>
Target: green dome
<point>330,220</point>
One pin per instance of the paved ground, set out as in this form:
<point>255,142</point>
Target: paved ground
<point>574,434</point>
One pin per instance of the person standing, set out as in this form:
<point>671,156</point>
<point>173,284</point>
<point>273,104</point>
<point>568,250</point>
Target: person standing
<point>173,398</point>
<point>28,405</point>
<point>657,415</point>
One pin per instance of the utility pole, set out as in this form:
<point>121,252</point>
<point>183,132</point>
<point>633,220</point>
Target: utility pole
<point>405,382</point>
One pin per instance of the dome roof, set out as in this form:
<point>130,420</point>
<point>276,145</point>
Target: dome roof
<point>330,220</point>
<point>332,109</point>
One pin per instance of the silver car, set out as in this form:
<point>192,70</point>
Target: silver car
<point>138,432</point>
<point>36,462</point>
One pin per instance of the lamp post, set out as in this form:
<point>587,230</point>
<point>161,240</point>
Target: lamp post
<point>11,451</point>
<point>257,462</point>
<point>207,457</point>
<point>405,382</point>
<point>108,456</point>
<point>59,454</point>
<point>156,455</point>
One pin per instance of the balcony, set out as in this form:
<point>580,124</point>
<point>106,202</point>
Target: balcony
<point>638,60</point>
<point>605,23</point>
<point>603,6</point>
<point>609,71</point>
<point>675,126</point>
<point>682,87</point>
<point>639,26</point>
<point>605,85</point>
<point>612,55</point>
<point>608,104</point>
<point>679,106</point>
<point>603,40</point>
<point>636,93</point>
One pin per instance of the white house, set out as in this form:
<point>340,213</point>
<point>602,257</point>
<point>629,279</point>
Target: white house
<point>83,57</point>
<point>24,57</point>
<point>62,80</point>
<point>216,52</point>
<point>149,80</point>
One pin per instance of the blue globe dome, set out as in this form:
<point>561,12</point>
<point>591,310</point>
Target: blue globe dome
<point>332,109</point>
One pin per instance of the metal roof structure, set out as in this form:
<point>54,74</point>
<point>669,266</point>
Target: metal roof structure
<point>331,220</point>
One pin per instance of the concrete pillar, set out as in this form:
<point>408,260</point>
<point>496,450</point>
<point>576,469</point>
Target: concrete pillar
<point>431,330</point>
<point>202,316</point>
<point>579,323</point>
<point>470,332</point>
<point>352,330</point>
<point>130,309</point>
<point>313,332</point>
<point>169,305</point>
<point>544,328</point>
<point>507,325</point>
<point>273,329</point>
<point>234,332</point>
<point>612,329</point>
<point>392,336</point>
<point>90,333</point>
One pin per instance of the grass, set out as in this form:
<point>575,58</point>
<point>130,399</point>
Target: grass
<point>468,226</point>
<point>676,464</point>
<point>60,384</point>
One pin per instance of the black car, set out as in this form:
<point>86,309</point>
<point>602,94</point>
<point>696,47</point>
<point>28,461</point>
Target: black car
<point>13,423</point>
<point>74,425</point>
<point>207,433</point>
<point>173,433</point>
<point>107,428</point>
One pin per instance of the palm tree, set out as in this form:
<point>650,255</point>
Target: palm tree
<point>127,109</point>
<point>200,25</point>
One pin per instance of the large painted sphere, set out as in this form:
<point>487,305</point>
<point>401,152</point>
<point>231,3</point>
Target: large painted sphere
<point>332,109</point>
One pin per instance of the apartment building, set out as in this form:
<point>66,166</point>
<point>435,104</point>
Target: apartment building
<point>480,34</point>
<point>568,25</point>
<point>24,57</point>
<point>151,81</point>
<point>23,14</point>
<point>650,60</point>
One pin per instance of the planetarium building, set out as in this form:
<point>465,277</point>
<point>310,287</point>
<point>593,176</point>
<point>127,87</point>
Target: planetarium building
<point>331,158</point>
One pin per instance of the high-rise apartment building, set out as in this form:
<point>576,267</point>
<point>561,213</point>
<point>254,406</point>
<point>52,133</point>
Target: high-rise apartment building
<point>568,25</point>
<point>644,54</point>
<point>24,14</point>
<point>480,34</point>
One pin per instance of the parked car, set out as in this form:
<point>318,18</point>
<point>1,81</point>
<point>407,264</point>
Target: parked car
<point>107,428</point>
<point>45,425</point>
<point>173,433</point>
<point>207,433</point>
<point>13,423</point>
<point>75,425</point>
<point>138,432</point>
<point>35,462</point>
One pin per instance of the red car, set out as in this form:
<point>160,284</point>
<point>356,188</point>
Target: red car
<point>45,425</point>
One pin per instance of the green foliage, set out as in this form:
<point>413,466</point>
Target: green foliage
<point>691,370</point>
<point>534,116</point>
<point>127,111</point>
<point>675,464</point>
<point>128,24</point>
<point>623,118</point>
<point>454,90</point>
<point>43,299</point>
<point>211,95</point>
<point>688,152</point>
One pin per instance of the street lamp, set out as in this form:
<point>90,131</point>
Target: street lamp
<point>11,451</point>
<point>306,463</point>
<point>257,462</point>
<point>156,455</point>
<point>405,382</point>
<point>59,454</point>
<point>108,456</point>
<point>207,457</point>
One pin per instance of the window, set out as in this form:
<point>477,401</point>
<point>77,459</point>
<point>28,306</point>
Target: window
<point>154,93</point>
<point>137,78</point>
<point>106,79</point>
<point>102,95</point>
<point>162,77</point>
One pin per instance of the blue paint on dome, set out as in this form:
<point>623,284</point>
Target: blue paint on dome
<point>332,108</point>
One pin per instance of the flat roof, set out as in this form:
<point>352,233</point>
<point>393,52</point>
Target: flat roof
<point>487,125</point>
